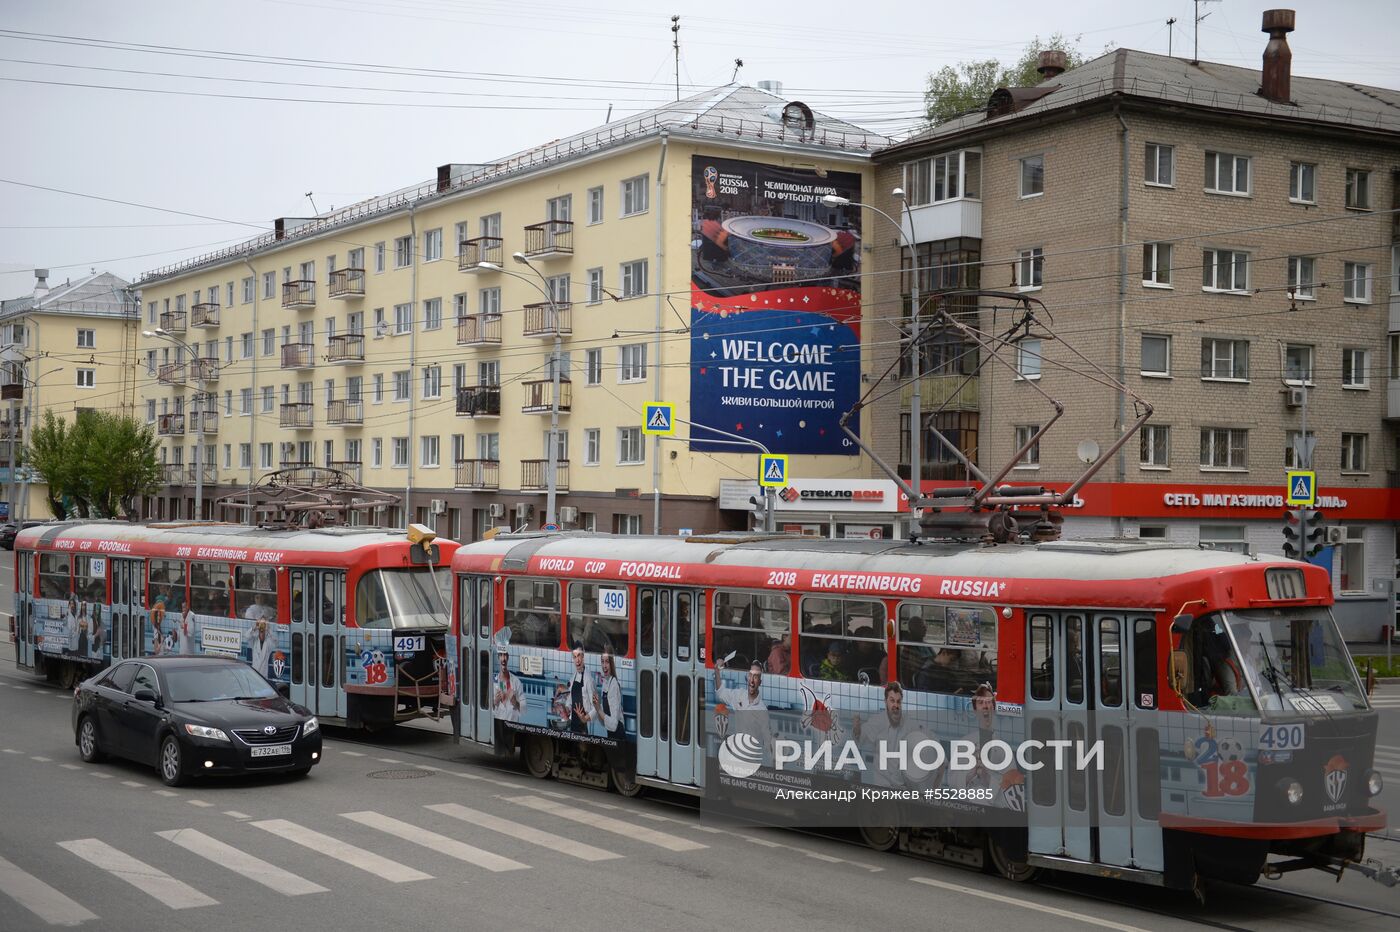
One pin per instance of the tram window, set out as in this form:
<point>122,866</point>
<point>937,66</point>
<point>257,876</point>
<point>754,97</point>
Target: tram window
<point>1113,775</point>
<point>465,610</point>
<point>398,598</point>
<point>1149,777</point>
<point>333,597</point>
<point>1144,664</point>
<point>646,686</point>
<point>663,725</point>
<point>589,628</point>
<point>255,592</point>
<point>646,621</point>
<point>54,570</point>
<point>683,710</point>
<point>483,679</point>
<point>532,612</point>
<point>87,585</point>
<point>843,640</point>
<point>168,585</point>
<point>328,660</point>
<point>946,648</point>
<point>663,624</point>
<point>685,619</point>
<point>1074,659</point>
<point>755,628</point>
<point>296,657</point>
<point>1110,663</point>
<point>1042,658</point>
<point>483,607</point>
<point>209,588</point>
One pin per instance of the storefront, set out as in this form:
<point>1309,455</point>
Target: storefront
<point>873,509</point>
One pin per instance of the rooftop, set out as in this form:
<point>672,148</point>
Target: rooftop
<point>100,294</point>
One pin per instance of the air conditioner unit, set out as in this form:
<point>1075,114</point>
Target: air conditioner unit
<point>438,506</point>
<point>1336,534</point>
<point>525,511</point>
<point>1297,397</point>
<point>568,513</point>
<point>496,510</point>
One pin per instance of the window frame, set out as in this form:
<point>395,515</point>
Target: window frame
<point>634,189</point>
<point>1235,345</point>
<point>1230,465</point>
<point>1211,266</point>
<point>1350,278</point>
<point>1152,265</point>
<point>1354,449</point>
<point>1298,289</point>
<point>1166,371</point>
<point>1030,267</point>
<point>1149,448</point>
<point>1349,368</point>
<point>1031,458</point>
<point>1358,178</point>
<point>1309,375</point>
<point>1024,164</point>
<point>1152,155</point>
<point>1212,179</point>
<point>1296,172</point>
<point>1026,371</point>
<point>631,437</point>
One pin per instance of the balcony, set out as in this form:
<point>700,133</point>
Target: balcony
<point>347,283</point>
<point>479,330</point>
<point>944,220</point>
<point>478,474</point>
<point>171,373</point>
<point>539,395</point>
<point>172,321</point>
<point>476,251</point>
<point>945,393</point>
<point>170,425</point>
<point>208,419</point>
<point>1392,400</point>
<point>11,389</point>
<point>348,348</point>
<point>204,369</point>
<point>298,356</point>
<point>534,476</point>
<point>479,401</point>
<point>549,320</point>
<point>173,473</point>
<point>211,474</point>
<point>296,415</point>
<point>298,294</point>
<point>341,413</point>
<point>294,464</point>
<point>351,468</point>
<point>204,315</point>
<point>550,239</point>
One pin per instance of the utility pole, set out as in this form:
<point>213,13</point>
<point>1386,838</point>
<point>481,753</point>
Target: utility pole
<point>1171,33</point>
<point>676,44</point>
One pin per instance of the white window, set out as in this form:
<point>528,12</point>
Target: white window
<point>432,245</point>
<point>1224,270</point>
<point>432,314</point>
<point>1157,265</point>
<point>632,363</point>
<point>1291,457</point>
<point>379,257</point>
<point>1227,174</point>
<point>630,446</point>
<point>1356,282</point>
<point>269,342</point>
<point>1352,553</point>
<point>1302,277</point>
<point>432,382</point>
<point>459,447</point>
<point>1358,189</point>
<point>87,378</point>
<point>228,456</point>
<point>1033,176</point>
<point>1354,364</point>
<point>595,286</point>
<point>179,304</point>
<point>1030,268</point>
<point>403,252</point>
<point>399,452</point>
<point>403,318</point>
<point>1028,359</point>
<point>634,195</point>
<point>1297,364</point>
<point>559,208</point>
<point>488,372</point>
<point>1157,165</point>
<point>1354,452</point>
<point>558,288</point>
<point>150,362</point>
<point>1224,448</point>
<point>634,278</point>
<point>491,225</point>
<point>249,284</point>
<point>1224,359</point>
<point>376,453</point>
<point>561,445</point>
<point>401,385</point>
<point>378,389</point>
<point>355,258</point>
<point>245,455</point>
<point>943,177</point>
<point>592,442</point>
<point>269,284</point>
<point>595,205</point>
<point>488,446</point>
<point>428,448</point>
<point>1302,183</point>
<point>459,238</point>
<point>268,398</point>
<point>1031,458</point>
<point>87,339</point>
<point>1156,355</point>
<point>265,455</point>
<point>150,314</point>
<point>593,366</point>
<point>228,349</point>
<point>245,401</point>
<point>150,409</point>
<point>1228,537</point>
<point>1155,446</point>
<point>489,301</point>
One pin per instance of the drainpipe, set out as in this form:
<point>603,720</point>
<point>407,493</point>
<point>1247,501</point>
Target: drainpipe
<point>656,337</point>
<point>412,356</point>
<point>253,401</point>
<point>1122,467</point>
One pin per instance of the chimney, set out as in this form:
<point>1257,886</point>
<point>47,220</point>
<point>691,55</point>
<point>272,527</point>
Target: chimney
<point>1278,59</point>
<point>41,283</point>
<point>1051,63</point>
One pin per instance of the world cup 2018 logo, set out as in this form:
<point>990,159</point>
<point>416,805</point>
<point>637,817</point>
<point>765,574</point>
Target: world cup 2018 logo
<point>711,177</point>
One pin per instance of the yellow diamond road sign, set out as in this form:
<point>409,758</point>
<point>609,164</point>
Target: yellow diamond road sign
<point>1301,488</point>
<point>659,417</point>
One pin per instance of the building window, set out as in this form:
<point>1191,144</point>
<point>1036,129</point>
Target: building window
<point>1152,531</point>
<point>595,286</point>
<point>265,455</point>
<point>87,339</point>
<point>1354,452</point>
<point>401,385</point>
<point>1157,165</point>
<point>1352,571</point>
<point>558,288</point>
<point>634,278</point>
<point>432,382</point>
<point>1031,458</point>
<point>378,257</point>
<point>634,195</point>
<point>1156,355</point>
<point>87,378</point>
<point>593,367</point>
<point>1354,368</point>
<point>943,178</point>
<point>1033,176</point>
<point>1155,446</point>
<point>249,289</point>
<point>1227,174</point>
<point>432,245</point>
<point>1302,277</point>
<point>399,451</point>
<point>1224,270</point>
<point>1224,448</point>
<point>1225,359</point>
<point>403,318</point>
<point>595,205</point>
<point>268,399</point>
<point>1302,183</point>
<point>245,456</point>
<point>627,524</point>
<point>432,314</point>
<point>630,446</point>
<point>269,284</point>
<point>150,409</point>
<point>403,252</point>
<point>1358,189</point>
<point>1297,364</point>
<point>592,442</point>
<point>489,301</point>
<point>1293,457</point>
<point>632,363</point>
<point>491,225</point>
<point>489,372</point>
<point>1028,359</point>
<point>559,208</point>
<point>1030,268</point>
<point>1356,282</point>
<point>1157,265</point>
<point>488,446</point>
<point>245,401</point>
<point>1229,537</point>
<point>428,447</point>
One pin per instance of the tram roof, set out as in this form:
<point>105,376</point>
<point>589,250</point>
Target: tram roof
<point>213,534</point>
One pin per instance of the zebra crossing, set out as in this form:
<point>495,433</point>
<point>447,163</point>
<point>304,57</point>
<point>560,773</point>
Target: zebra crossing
<point>1388,763</point>
<point>194,868</point>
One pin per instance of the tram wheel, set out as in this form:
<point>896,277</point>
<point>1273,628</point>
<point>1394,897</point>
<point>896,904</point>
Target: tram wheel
<point>539,756</point>
<point>625,783</point>
<point>1004,865</point>
<point>879,837</point>
<point>69,676</point>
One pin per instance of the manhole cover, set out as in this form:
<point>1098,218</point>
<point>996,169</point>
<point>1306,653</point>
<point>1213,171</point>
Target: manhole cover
<point>399,774</point>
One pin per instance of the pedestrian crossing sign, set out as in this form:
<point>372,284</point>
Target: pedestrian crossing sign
<point>1301,488</point>
<point>659,417</point>
<point>773,470</point>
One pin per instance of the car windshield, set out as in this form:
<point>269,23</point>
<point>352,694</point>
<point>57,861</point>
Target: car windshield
<point>1295,661</point>
<point>212,683</point>
<point>406,598</point>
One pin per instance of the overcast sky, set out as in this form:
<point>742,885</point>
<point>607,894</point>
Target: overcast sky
<point>221,131</point>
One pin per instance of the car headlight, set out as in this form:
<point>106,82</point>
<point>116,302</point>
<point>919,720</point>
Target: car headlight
<point>1292,791</point>
<point>204,731</point>
<point>1374,783</point>
<point>310,725</point>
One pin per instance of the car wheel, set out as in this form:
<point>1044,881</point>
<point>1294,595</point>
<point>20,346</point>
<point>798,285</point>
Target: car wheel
<point>88,747</point>
<point>171,763</point>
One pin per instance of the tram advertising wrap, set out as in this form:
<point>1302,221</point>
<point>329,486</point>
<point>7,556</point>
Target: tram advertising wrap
<point>775,306</point>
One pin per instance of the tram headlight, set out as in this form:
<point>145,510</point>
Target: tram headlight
<point>1374,783</point>
<point>1291,790</point>
<point>204,731</point>
<point>310,726</point>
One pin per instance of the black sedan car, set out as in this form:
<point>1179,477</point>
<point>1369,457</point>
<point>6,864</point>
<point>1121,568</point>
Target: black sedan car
<point>192,715</point>
<point>9,530</point>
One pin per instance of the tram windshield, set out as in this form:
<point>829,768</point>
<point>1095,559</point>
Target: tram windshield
<point>1274,660</point>
<point>406,598</point>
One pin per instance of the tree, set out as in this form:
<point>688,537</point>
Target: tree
<point>953,91</point>
<point>97,467</point>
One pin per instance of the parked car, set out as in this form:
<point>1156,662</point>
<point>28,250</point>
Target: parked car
<point>193,715</point>
<point>9,529</point>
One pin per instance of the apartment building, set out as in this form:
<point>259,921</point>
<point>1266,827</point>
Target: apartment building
<point>1220,239</point>
<point>63,348</point>
<point>431,341</point>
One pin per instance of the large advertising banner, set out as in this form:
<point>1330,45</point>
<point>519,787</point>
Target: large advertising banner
<point>775,306</point>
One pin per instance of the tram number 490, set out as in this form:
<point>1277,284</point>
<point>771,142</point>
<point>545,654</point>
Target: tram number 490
<point>1281,737</point>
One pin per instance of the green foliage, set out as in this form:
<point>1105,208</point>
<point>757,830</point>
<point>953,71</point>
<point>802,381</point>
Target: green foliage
<point>953,91</point>
<point>97,467</point>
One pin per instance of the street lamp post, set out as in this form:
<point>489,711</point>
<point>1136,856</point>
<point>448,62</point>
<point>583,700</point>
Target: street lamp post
<point>161,333</point>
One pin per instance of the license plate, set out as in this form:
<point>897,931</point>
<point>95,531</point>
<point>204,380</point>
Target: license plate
<point>271,750</point>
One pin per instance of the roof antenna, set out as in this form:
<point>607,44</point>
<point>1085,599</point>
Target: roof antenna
<point>738,63</point>
<point>676,44</point>
<point>1196,51</point>
<point>1171,33</point>
<point>313,204</point>
<point>608,119</point>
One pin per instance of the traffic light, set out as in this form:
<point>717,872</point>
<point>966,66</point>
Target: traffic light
<point>1314,534</point>
<point>1303,533</point>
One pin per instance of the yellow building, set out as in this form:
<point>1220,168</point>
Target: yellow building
<point>681,256</point>
<point>64,349</point>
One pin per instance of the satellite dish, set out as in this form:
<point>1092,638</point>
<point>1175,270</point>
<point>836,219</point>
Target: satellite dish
<point>1088,451</point>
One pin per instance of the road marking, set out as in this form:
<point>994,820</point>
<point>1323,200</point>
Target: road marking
<point>236,814</point>
<point>352,753</point>
<point>136,783</point>
<point>155,883</point>
<point>389,760</point>
<point>165,792</point>
<point>607,823</point>
<point>1026,904</point>
<point>344,852</point>
<point>439,843</point>
<point>39,898</point>
<point>200,803</point>
<point>99,775</point>
<point>465,776</point>
<point>12,751</point>
<point>70,766</point>
<point>255,869</point>
<point>526,833</point>
<point>42,760</point>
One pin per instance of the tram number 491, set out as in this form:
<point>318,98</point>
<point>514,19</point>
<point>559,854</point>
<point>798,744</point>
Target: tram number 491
<point>408,644</point>
<point>1281,737</point>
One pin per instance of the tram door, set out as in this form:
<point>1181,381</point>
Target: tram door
<point>318,641</point>
<point>24,611</point>
<point>475,674</point>
<point>670,685</point>
<point>127,606</point>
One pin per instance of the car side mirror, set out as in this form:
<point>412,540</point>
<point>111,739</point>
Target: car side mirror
<point>147,695</point>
